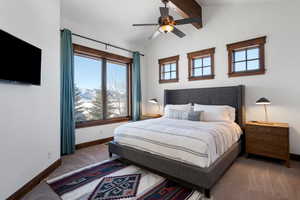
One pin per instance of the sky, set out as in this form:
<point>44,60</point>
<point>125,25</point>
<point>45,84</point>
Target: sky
<point>88,74</point>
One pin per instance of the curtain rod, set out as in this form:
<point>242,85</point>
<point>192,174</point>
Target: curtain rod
<point>104,43</point>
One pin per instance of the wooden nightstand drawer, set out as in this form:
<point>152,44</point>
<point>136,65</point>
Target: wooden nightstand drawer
<point>261,147</point>
<point>270,140</point>
<point>267,131</point>
<point>264,151</point>
<point>269,136</point>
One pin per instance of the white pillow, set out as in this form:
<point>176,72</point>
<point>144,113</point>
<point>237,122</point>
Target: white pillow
<point>215,113</point>
<point>184,107</point>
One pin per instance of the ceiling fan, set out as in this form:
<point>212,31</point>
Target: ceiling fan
<point>167,23</point>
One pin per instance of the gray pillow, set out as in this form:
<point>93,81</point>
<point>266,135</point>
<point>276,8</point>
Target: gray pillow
<point>194,115</point>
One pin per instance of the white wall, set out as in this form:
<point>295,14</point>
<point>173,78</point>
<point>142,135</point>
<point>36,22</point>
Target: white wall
<point>98,33</point>
<point>29,120</point>
<point>233,23</point>
<point>95,133</point>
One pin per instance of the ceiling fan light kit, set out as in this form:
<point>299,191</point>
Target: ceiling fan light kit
<point>167,24</point>
<point>166,28</point>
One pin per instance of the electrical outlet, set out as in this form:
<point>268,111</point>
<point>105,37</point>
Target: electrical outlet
<point>100,132</point>
<point>49,155</point>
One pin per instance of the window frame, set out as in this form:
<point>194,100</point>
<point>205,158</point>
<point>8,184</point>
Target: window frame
<point>169,60</point>
<point>106,56</point>
<point>201,54</point>
<point>246,45</point>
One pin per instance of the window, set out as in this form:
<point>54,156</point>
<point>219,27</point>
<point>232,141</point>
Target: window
<point>88,88</point>
<point>116,90</point>
<point>201,64</point>
<point>102,87</point>
<point>168,69</point>
<point>247,57</point>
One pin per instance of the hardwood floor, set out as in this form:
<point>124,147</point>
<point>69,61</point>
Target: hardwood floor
<point>247,179</point>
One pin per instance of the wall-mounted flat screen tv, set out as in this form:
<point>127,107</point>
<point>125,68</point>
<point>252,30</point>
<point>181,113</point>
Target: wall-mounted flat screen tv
<point>19,60</point>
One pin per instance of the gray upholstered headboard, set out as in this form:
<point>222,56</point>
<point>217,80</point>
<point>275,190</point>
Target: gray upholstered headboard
<point>232,96</point>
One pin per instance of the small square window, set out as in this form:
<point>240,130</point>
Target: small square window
<point>168,68</point>
<point>201,64</point>
<point>246,60</point>
<point>247,57</point>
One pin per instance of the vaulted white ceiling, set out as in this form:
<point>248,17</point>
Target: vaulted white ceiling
<point>114,18</point>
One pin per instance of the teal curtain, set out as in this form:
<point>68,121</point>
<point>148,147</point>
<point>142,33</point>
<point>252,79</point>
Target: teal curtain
<point>67,94</point>
<point>136,87</point>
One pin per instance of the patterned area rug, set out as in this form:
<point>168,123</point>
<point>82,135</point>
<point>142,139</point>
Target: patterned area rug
<point>117,187</point>
<point>113,179</point>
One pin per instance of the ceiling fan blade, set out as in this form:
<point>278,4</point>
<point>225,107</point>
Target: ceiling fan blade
<point>144,24</point>
<point>188,21</point>
<point>154,35</point>
<point>178,32</point>
<point>164,11</point>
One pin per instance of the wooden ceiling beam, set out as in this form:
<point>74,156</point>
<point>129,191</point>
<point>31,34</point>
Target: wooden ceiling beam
<point>187,9</point>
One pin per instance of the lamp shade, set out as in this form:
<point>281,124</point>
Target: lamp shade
<point>263,101</point>
<point>155,101</point>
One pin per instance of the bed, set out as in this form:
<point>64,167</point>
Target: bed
<point>191,166</point>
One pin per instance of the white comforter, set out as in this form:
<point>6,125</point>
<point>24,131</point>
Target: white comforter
<point>196,143</point>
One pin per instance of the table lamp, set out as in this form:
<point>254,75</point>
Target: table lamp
<point>264,101</point>
<point>155,101</point>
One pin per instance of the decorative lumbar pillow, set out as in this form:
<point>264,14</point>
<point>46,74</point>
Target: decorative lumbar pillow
<point>184,107</point>
<point>216,112</point>
<point>194,115</point>
<point>184,115</point>
<point>177,114</point>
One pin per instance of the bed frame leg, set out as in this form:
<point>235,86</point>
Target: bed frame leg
<point>207,193</point>
<point>110,154</point>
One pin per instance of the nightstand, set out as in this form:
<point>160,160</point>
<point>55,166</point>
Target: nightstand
<point>150,116</point>
<point>268,139</point>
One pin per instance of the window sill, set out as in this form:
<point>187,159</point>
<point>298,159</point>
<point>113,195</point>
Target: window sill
<point>168,81</point>
<point>195,78</point>
<point>101,122</point>
<point>247,73</point>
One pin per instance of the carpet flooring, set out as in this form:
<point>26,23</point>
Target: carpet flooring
<point>247,179</point>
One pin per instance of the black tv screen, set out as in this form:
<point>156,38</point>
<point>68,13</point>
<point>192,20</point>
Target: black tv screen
<point>19,60</point>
